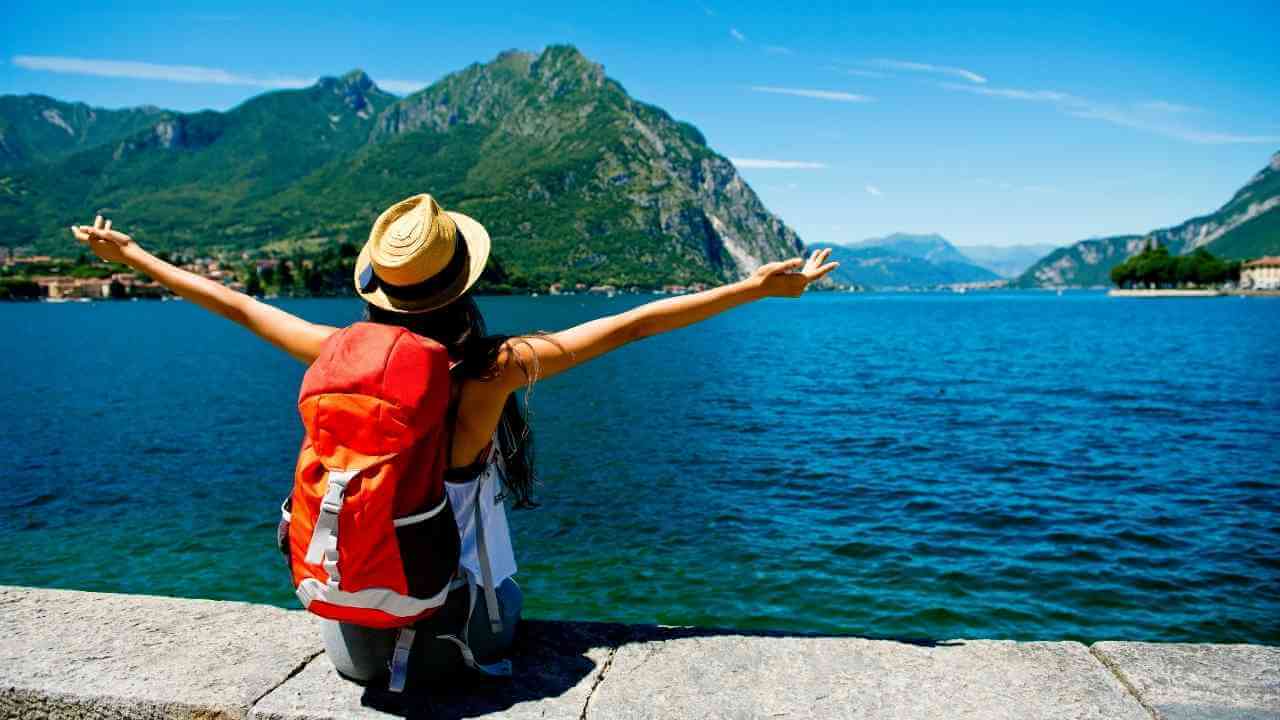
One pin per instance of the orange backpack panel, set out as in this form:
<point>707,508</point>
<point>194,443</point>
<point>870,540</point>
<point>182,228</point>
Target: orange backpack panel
<point>371,537</point>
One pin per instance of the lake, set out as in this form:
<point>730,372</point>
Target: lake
<point>1017,465</point>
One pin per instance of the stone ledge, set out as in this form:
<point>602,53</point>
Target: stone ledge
<point>1179,681</point>
<point>69,654</point>
<point>124,656</point>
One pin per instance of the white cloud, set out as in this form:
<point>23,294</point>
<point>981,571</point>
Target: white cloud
<point>835,95</point>
<point>873,190</point>
<point>402,87</point>
<point>1052,96</point>
<point>961,73</point>
<point>759,164</point>
<point>150,71</point>
<point>1087,109</point>
<point>737,35</point>
<point>863,73</point>
<point>1165,106</point>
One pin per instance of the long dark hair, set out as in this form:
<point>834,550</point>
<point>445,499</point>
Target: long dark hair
<point>459,326</point>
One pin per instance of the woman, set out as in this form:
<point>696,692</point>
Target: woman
<point>415,271</point>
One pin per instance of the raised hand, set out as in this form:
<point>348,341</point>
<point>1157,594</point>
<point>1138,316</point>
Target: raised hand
<point>789,278</point>
<point>110,245</point>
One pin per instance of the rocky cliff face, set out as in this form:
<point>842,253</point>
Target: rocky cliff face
<point>584,144</point>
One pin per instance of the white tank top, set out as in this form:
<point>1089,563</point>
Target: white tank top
<point>497,536</point>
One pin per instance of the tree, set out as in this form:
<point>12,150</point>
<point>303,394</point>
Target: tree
<point>285,276</point>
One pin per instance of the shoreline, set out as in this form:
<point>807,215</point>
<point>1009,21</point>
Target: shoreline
<point>75,654</point>
<point>1172,293</point>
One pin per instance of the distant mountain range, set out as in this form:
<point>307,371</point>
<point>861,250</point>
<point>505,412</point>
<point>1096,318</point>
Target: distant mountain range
<point>1247,226</point>
<point>575,180</point>
<point>905,260</point>
<point>1007,261</point>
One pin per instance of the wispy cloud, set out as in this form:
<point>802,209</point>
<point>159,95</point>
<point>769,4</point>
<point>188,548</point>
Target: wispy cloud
<point>760,164</point>
<point>835,95</point>
<point>1166,107</point>
<point>192,74</point>
<point>1152,117</point>
<point>150,71</point>
<point>733,32</point>
<point>1052,96</point>
<point>861,73</point>
<point>908,66</point>
<point>401,87</point>
<point>873,190</point>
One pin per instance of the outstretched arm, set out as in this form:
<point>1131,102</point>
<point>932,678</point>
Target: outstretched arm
<point>290,333</point>
<point>527,358</point>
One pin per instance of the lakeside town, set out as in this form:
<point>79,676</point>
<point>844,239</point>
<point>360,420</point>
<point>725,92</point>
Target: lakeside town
<point>1151,273</point>
<point>58,279</point>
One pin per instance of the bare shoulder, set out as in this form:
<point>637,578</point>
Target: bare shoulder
<point>480,404</point>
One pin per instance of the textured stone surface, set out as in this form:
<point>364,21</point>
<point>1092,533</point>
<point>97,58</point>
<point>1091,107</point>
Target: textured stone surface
<point>556,666</point>
<point>1200,682</point>
<point>693,674</point>
<point>67,654</point>
<point>77,654</point>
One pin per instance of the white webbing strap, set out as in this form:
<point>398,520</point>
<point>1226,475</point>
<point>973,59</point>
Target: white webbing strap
<point>323,548</point>
<point>486,572</point>
<point>501,668</point>
<point>400,659</point>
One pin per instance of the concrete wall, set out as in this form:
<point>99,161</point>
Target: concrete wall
<point>67,654</point>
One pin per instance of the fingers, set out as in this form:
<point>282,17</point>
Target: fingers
<point>97,222</point>
<point>823,270</point>
<point>783,266</point>
<point>816,258</point>
<point>107,227</point>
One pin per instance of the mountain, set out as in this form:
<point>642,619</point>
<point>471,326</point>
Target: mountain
<point>575,180</point>
<point>36,129</point>
<point>1247,226</point>
<point>880,268</point>
<point>933,248</point>
<point>1007,261</point>
<point>903,260</point>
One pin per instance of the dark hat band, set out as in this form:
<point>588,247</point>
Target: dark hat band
<point>458,266</point>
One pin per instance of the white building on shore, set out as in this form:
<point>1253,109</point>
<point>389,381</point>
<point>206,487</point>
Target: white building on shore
<point>1261,274</point>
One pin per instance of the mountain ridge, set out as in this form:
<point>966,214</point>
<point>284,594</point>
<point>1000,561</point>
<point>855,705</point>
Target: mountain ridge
<point>906,260</point>
<point>574,179</point>
<point>1247,225</point>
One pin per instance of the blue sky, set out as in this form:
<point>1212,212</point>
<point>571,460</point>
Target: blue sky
<point>997,123</point>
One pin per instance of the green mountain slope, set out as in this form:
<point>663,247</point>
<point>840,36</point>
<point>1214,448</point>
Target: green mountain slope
<point>35,129</point>
<point>1248,225</point>
<point>192,179</point>
<point>575,180</point>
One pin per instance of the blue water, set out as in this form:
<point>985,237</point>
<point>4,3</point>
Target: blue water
<point>1017,465</point>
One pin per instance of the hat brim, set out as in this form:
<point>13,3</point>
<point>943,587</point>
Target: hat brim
<point>477,242</point>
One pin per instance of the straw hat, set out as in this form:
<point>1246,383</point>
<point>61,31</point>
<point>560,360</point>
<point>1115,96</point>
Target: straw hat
<point>420,257</point>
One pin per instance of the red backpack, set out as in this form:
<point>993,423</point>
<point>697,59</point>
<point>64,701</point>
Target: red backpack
<point>371,538</point>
